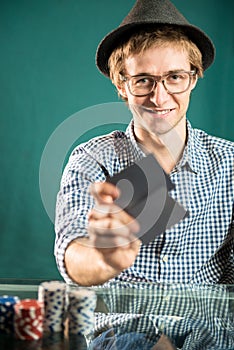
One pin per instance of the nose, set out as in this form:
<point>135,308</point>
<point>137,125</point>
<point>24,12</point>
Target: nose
<point>159,95</point>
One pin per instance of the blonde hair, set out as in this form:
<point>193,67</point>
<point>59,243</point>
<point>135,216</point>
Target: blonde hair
<point>142,41</point>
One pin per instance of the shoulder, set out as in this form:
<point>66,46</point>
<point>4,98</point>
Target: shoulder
<point>213,144</point>
<point>104,149</point>
<point>103,143</point>
<point>88,159</point>
<point>214,153</point>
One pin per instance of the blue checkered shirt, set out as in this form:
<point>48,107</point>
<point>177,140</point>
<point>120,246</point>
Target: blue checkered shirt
<point>199,249</point>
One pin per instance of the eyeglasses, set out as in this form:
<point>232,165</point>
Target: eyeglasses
<point>174,82</point>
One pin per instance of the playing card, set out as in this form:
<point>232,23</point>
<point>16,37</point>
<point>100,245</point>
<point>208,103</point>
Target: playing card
<point>144,195</point>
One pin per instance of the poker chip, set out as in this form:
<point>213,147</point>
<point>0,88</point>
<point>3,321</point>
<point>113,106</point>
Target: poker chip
<point>28,319</point>
<point>53,296</point>
<point>82,304</point>
<point>7,303</point>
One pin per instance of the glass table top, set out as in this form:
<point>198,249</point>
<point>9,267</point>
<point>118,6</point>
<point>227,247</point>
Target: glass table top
<point>180,316</point>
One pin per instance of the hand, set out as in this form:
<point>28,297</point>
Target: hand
<point>112,231</point>
<point>163,344</point>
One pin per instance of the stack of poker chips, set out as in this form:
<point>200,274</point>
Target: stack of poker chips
<point>43,320</point>
<point>81,307</point>
<point>7,313</point>
<point>53,295</point>
<point>28,319</point>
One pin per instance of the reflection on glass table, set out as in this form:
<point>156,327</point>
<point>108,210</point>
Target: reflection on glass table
<point>142,316</point>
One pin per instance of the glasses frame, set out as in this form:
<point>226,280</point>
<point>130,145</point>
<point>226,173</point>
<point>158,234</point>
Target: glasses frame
<point>158,79</point>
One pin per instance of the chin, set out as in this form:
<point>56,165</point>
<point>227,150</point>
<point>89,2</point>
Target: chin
<point>159,126</point>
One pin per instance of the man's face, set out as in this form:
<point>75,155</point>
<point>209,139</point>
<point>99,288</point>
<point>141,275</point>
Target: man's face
<point>159,112</point>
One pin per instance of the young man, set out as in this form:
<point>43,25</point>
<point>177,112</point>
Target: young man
<point>154,58</point>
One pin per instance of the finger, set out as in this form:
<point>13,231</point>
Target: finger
<point>110,226</point>
<point>104,192</point>
<point>109,233</point>
<point>111,242</point>
<point>113,212</point>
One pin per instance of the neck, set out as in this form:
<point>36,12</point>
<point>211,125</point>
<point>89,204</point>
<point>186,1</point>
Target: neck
<point>167,148</point>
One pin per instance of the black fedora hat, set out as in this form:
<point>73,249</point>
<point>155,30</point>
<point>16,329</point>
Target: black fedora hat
<point>144,15</point>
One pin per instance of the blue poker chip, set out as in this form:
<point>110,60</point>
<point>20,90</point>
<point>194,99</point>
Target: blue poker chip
<point>7,303</point>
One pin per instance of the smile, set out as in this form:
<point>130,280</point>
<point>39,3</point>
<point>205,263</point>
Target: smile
<point>159,112</point>
<point>162,112</point>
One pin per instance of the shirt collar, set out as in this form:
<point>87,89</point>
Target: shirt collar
<point>136,149</point>
<point>189,158</point>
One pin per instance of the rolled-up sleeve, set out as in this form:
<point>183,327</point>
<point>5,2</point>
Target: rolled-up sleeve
<point>73,203</point>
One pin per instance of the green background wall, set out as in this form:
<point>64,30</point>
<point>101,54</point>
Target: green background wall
<point>48,73</point>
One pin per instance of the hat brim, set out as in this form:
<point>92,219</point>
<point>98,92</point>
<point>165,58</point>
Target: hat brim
<point>124,32</point>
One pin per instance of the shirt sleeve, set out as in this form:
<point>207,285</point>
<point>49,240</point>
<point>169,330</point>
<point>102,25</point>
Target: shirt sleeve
<point>74,202</point>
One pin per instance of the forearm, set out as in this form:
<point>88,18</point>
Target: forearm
<point>85,264</point>
<point>112,245</point>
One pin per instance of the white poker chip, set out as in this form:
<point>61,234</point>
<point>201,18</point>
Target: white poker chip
<point>53,295</point>
<point>82,304</point>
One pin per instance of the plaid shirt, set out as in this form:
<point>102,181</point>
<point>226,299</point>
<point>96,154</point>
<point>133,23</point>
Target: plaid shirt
<point>199,249</point>
<point>194,317</point>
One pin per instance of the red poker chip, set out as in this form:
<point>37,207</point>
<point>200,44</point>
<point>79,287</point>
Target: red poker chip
<point>28,319</point>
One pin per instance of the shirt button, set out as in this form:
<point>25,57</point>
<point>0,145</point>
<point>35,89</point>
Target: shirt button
<point>165,258</point>
<point>161,328</point>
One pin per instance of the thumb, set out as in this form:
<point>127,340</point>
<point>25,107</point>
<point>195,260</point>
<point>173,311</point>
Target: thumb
<point>104,192</point>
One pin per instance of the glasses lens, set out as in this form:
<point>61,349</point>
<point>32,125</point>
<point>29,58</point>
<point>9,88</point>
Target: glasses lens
<point>141,85</point>
<point>177,82</point>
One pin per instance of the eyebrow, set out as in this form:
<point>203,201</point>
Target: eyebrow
<point>168,72</point>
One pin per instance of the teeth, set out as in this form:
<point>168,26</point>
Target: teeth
<point>159,112</point>
<point>163,112</point>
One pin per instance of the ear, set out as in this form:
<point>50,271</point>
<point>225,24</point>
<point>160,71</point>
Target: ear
<point>122,91</point>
